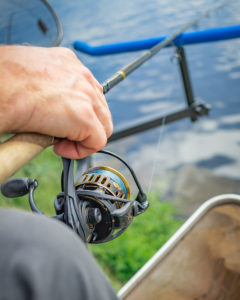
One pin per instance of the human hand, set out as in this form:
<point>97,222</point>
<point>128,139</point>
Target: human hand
<point>49,91</point>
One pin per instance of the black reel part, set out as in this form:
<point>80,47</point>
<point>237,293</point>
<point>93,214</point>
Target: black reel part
<point>92,208</point>
<point>113,221</point>
<point>21,186</point>
<point>97,208</point>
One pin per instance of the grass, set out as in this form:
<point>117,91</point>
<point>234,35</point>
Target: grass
<point>124,256</point>
<point>46,168</point>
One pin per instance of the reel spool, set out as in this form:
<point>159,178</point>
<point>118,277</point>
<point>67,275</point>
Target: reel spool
<point>105,180</point>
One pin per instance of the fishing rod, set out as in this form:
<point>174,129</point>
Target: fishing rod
<point>20,149</point>
<point>94,202</point>
<point>128,69</point>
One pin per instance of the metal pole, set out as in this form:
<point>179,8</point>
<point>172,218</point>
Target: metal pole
<point>186,78</point>
<point>197,109</point>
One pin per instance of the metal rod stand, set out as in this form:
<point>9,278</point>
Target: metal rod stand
<point>196,109</point>
<point>182,61</point>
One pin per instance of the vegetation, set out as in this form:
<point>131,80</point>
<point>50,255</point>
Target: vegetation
<point>46,168</point>
<point>122,257</point>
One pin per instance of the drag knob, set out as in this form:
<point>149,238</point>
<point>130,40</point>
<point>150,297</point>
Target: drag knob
<point>94,215</point>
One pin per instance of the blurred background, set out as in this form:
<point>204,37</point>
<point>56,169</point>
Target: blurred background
<point>192,160</point>
<point>180,165</point>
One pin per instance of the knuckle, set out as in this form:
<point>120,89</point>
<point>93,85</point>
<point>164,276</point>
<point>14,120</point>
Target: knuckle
<point>68,52</point>
<point>100,87</point>
<point>88,112</point>
<point>89,91</point>
<point>87,74</point>
<point>101,142</point>
<point>110,129</point>
<point>108,124</point>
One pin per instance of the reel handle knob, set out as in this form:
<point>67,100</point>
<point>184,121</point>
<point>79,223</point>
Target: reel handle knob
<point>17,187</point>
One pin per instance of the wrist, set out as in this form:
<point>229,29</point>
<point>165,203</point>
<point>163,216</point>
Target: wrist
<point>13,91</point>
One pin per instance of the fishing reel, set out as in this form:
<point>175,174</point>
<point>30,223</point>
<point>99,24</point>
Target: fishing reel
<point>96,205</point>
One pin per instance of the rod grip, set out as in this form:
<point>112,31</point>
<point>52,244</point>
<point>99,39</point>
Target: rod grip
<point>19,150</point>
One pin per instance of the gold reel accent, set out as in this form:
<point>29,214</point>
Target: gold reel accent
<point>115,185</point>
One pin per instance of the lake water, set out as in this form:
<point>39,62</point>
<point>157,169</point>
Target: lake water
<point>156,89</point>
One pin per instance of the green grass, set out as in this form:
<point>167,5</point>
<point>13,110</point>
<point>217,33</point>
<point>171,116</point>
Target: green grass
<point>122,257</point>
<point>46,168</point>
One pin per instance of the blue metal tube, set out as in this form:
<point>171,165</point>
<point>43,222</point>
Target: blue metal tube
<point>188,38</point>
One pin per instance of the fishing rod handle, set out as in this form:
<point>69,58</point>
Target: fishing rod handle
<point>19,150</point>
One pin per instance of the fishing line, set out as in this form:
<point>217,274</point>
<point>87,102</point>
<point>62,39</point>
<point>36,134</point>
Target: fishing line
<point>128,69</point>
<point>153,172</point>
<point>161,132</point>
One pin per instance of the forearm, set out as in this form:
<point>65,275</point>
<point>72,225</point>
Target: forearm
<point>12,86</point>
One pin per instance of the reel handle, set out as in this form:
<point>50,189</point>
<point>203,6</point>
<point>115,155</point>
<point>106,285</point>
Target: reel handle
<point>19,150</point>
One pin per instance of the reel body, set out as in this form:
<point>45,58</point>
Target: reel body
<point>96,206</point>
<point>106,217</point>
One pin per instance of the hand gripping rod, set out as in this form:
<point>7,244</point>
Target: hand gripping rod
<point>20,149</point>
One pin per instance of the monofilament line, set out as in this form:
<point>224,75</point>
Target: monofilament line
<point>156,155</point>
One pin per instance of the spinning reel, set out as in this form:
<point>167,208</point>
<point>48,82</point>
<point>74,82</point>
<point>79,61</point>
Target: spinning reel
<point>96,205</point>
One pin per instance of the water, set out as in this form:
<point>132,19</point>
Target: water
<point>156,89</point>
